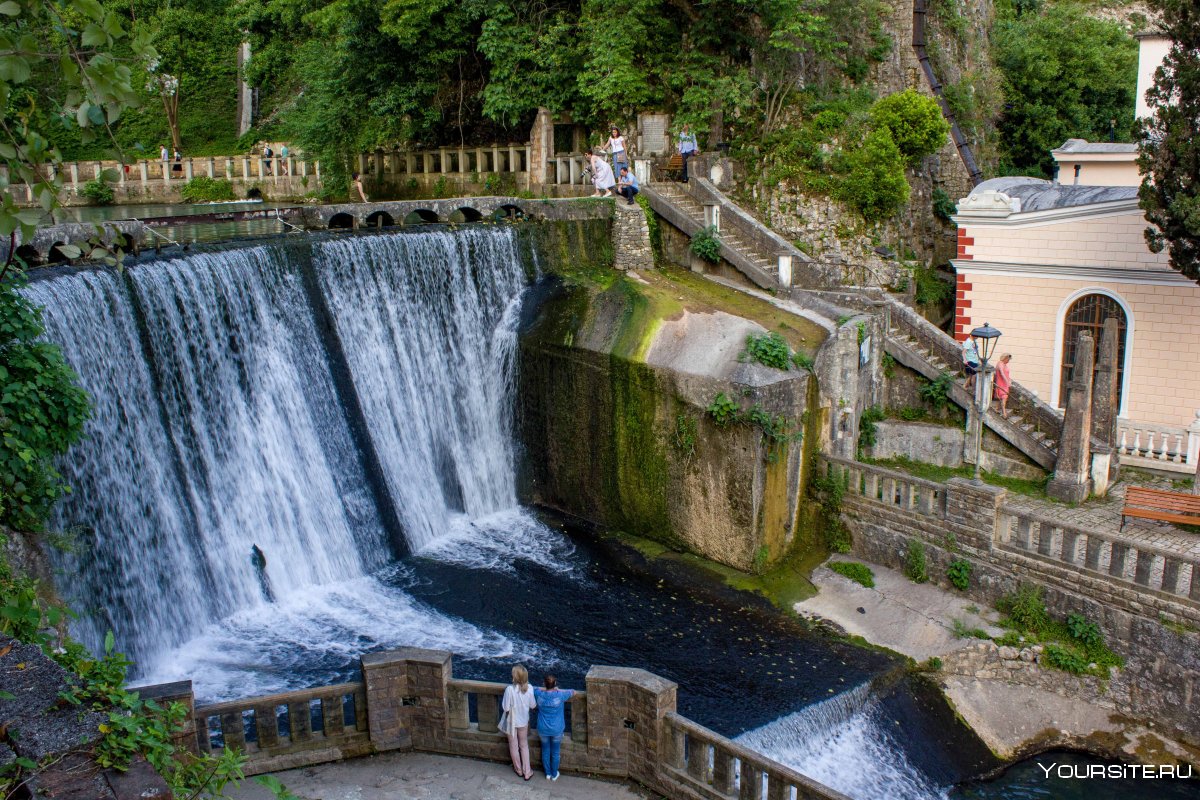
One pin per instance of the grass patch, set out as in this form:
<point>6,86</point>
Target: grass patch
<point>859,573</point>
<point>932,472</point>
<point>1074,645</point>
<point>964,631</point>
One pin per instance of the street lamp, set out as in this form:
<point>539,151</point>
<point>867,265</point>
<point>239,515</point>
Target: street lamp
<point>985,344</point>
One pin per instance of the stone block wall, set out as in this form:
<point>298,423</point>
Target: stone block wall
<point>631,238</point>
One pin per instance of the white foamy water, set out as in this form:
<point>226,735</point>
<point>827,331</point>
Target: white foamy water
<point>274,647</point>
<point>497,542</point>
<point>844,743</point>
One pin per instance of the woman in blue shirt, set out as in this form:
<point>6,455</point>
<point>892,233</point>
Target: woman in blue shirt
<point>551,722</point>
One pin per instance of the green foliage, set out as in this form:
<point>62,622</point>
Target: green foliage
<point>931,290</point>
<point>1169,148</point>
<point>915,122</point>
<point>931,664</point>
<point>770,349</point>
<point>867,430</point>
<point>889,365</point>
<point>97,192</point>
<point>760,560</point>
<point>943,206</point>
<point>803,361</point>
<point>959,573</point>
<point>1065,74</point>
<point>859,573</point>
<point>652,225</point>
<point>203,189</point>
<point>964,631</point>
<point>1084,631</point>
<point>706,243</point>
<point>725,410</point>
<point>683,437</point>
<point>1025,609</point>
<point>937,391</point>
<point>66,67</point>
<point>829,493</point>
<point>1067,660</point>
<point>916,565</point>
<point>42,411</point>
<point>276,787</point>
<point>874,180</point>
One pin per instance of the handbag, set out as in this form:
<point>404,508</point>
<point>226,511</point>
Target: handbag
<point>506,720</point>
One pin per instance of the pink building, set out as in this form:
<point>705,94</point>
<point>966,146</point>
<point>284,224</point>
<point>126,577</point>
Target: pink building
<point>1043,260</point>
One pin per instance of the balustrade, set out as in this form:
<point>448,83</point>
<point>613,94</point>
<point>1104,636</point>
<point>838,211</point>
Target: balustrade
<point>282,723</point>
<point>915,495</point>
<point>1107,554</point>
<point>1159,446</point>
<point>485,697</point>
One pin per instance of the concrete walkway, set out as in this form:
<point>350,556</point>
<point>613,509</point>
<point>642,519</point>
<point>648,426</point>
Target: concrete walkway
<point>420,776</point>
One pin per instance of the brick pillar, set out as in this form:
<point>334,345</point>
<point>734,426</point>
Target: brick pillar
<point>1072,473</point>
<point>407,698</point>
<point>972,509</point>
<point>178,692</point>
<point>626,713</point>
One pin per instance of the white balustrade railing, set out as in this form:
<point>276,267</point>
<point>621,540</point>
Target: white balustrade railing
<point>1159,446</point>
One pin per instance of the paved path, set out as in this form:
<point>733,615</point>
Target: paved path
<point>420,776</point>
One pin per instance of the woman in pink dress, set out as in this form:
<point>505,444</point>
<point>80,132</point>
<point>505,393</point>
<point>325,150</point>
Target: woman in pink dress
<point>1003,382</point>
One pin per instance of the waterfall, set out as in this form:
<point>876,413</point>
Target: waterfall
<point>220,478</point>
<point>845,743</point>
<point>428,325</point>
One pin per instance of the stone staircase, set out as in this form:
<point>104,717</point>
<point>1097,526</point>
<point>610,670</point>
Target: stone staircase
<point>752,248</point>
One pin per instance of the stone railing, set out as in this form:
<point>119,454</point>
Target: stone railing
<point>1159,446</point>
<point>282,730</point>
<point>1120,568</point>
<point>623,726</point>
<point>1173,574</point>
<point>490,159</point>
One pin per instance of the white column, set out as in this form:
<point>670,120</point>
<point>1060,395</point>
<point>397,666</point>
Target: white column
<point>1193,440</point>
<point>74,176</point>
<point>187,169</point>
<point>211,167</point>
<point>712,216</point>
<point>785,270</point>
<point>641,168</point>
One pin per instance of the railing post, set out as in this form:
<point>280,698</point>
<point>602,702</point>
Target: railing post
<point>74,168</point>
<point>144,172</point>
<point>178,692</point>
<point>246,169</point>
<point>712,216</point>
<point>188,172</point>
<point>1193,441</point>
<point>211,167</point>
<point>785,269</point>
<point>1170,575</point>
<point>751,784</point>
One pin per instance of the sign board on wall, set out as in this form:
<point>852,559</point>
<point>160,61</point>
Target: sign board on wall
<point>652,134</point>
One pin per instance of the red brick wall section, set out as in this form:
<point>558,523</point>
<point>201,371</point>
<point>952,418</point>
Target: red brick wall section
<point>962,305</point>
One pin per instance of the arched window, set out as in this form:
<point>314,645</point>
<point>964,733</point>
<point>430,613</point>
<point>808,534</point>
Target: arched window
<point>1088,314</point>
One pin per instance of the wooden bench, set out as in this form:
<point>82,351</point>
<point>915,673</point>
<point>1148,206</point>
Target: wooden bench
<point>1182,509</point>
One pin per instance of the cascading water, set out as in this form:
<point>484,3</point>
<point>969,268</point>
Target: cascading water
<point>843,743</point>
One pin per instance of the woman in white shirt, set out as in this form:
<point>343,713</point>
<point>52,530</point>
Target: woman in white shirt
<point>517,702</point>
<point>616,146</point>
<point>602,175</point>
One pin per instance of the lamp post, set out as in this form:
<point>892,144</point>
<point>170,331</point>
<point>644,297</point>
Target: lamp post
<point>985,344</point>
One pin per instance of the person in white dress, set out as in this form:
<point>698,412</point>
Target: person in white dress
<point>602,176</point>
<point>517,702</point>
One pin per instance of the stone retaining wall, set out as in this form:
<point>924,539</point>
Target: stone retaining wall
<point>1136,593</point>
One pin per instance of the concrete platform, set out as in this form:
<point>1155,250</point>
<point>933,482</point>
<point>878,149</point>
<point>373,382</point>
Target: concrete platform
<point>420,776</point>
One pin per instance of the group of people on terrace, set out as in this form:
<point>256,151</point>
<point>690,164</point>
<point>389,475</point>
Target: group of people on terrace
<point>618,175</point>
<point>550,702</point>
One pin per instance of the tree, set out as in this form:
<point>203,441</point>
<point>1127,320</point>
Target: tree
<point>914,121</point>
<point>59,62</point>
<point>1169,145</point>
<point>42,411</point>
<point>1064,74</point>
<point>874,179</point>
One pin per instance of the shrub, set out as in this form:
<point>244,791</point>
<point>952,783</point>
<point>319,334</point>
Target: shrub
<point>859,573</point>
<point>1025,609</point>
<point>914,121</point>
<point>804,361</point>
<point>98,192</point>
<point>1084,631</point>
<point>943,205</point>
<point>724,410</point>
<point>937,392</point>
<point>829,492</point>
<point>1065,659</point>
<point>42,411</point>
<point>916,563</point>
<point>931,290</point>
<point>963,631</point>
<point>203,189</point>
<point>867,431</point>
<point>875,183</point>
<point>769,349</point>
<point>706,243</point>
<point>959,573</point>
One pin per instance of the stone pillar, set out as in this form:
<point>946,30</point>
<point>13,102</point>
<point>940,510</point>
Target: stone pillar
<point>1105,407</point>
<point>144,173</point>
<point>1072,473</point>
<point>973,509</point>
<point>541,148</point>
<point>406,698</point>
<point>379,164</point>
<point>626,725</point>
<point>712,216</point>
<point>784,261</point>
<point>188,172</point>
<point>74,168</point>
<point>211,166</point>
<point>245,95</point>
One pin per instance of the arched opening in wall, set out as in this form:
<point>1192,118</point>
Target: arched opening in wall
<point>254,193</point>
<point>508,211</point>
<point>29,254</point>
<point>421,216</point>
<point>1088,314</point>
<point>56,255</point>
<point>466,214</point>
<point>380,219</point>
<point>341,221</point>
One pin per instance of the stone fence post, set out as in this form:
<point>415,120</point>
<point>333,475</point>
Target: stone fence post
<point>178,692</point>
<point>972,510</point>
<point>406,698</point>
<point>626,725</point>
